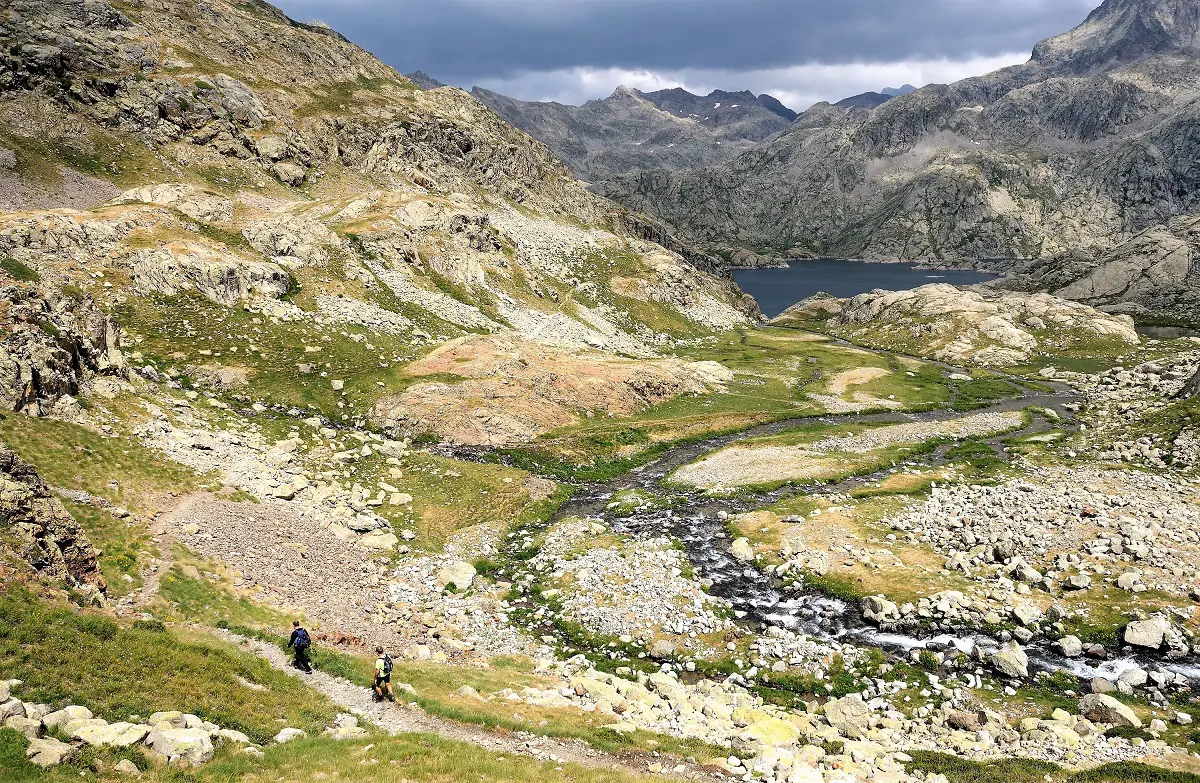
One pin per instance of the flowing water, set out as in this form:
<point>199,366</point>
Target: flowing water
<point>698,522</point>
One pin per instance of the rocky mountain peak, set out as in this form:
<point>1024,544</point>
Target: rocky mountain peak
<point>1120,31</point>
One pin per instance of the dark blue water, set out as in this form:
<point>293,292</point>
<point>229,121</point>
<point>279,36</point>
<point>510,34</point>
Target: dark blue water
<point>778,289</point>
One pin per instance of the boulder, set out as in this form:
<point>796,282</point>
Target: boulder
<point>1027,614</point>
<point>173,717</point>
<point>1070,646</point>
<point>229,735</point>
<point>29,727</point>
<point>1102,708</point>
<point>767,733</point>
<point>850,715</point>
<point>878,609</point>
<point>1011,660</point>
<point>379,540</point>
<point>459,574</point>
<point>741,549</point>
<point>1147,633</point>
<point>289,734</point>
<point>47,752</point>
<point>66,715</point>
<point>191,745</point>
<point>127,767</point>
<point>113,735</point>
<point>10,708</point>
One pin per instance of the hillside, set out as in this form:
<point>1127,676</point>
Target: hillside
<point>1080,148</point>
<point>630,129</point>
<point>286,339</point>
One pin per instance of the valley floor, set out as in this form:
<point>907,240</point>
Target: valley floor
<point>532,624</point>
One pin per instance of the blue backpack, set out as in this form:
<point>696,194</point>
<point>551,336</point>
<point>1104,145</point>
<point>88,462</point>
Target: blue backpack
<point>302,639</point>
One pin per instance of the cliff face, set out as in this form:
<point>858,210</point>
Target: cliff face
<point>630,130</point>
<point>1090,142</point>
<point>38,530</point>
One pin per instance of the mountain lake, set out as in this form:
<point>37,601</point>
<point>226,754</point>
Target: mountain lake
<point>778,289</point>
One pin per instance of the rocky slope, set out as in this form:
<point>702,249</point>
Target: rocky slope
<point>1154,273</point>
<point>317,187</point>
<point>979,327</point>
<point>631,130</point>
<point>1081,148</point>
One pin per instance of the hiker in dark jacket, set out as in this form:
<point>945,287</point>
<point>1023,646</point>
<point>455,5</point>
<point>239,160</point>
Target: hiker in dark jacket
<point>300,642</point>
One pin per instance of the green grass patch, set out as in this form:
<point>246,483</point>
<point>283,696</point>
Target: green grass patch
<point>205,601</point>
<point>18,271</point>
<point>123,545</point>
<point>118,469</point>
<point>65,655</point>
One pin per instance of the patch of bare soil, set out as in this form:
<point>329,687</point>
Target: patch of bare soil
<point>515,390</point>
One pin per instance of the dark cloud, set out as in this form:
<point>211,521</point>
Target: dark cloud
<point>470,41</point>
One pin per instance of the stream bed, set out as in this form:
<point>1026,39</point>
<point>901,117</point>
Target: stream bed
<point>698,521</point>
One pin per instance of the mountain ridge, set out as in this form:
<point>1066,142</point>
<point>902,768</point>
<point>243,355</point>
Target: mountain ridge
<point>1081,147</point>
<point>630,129</point>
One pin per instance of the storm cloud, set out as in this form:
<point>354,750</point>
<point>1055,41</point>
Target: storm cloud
<point>572,50</point>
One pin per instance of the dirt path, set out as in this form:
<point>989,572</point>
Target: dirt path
<point>401,718</point>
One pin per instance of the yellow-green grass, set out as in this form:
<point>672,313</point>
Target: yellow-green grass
<point>774,371</point>
<point>123,545</point>
<point>118,469</point>
<point>211,602</point>
<point>860,527</point>
<point>451,495</point>
<point>225,336</point>
<point>1023,770</point>
<point>66,655</point>
<point>119,159</point>
<point>436,686</point>
<point>416,758</point>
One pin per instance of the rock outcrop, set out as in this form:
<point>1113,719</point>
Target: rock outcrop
<point>40,531</point>
<point>978,326</point>
<point>1156,271</point>
<point>50,347</point>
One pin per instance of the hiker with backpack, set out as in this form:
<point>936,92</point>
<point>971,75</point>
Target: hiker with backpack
<point>300,642</point>
<point>383,676</point>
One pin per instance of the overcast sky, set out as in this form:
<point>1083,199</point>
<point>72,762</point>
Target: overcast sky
<point>801,51</point>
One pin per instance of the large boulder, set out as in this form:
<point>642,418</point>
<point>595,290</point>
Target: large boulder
<point>1011,661</point>
<point>741,549</point>
<point>52,347</point>
<point>459,574</point>
<point>1102,708</point>
<point>1147,633</point>
<point>193,746</point>
<point>64,716</point>
<point>878,609</point>
<point>1070,646</point>
<point>850,715</point>
<point>47,751</point>
<point>115,735</point>
<point>767,733</point>
<point>45,535</point>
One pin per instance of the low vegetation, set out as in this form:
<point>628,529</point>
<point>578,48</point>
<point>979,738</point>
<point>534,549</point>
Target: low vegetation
<point>68,656</point>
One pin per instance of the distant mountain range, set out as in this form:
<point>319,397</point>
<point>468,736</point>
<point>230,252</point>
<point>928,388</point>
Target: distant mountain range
<point>1086,145</point>
<point>632,130</point>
